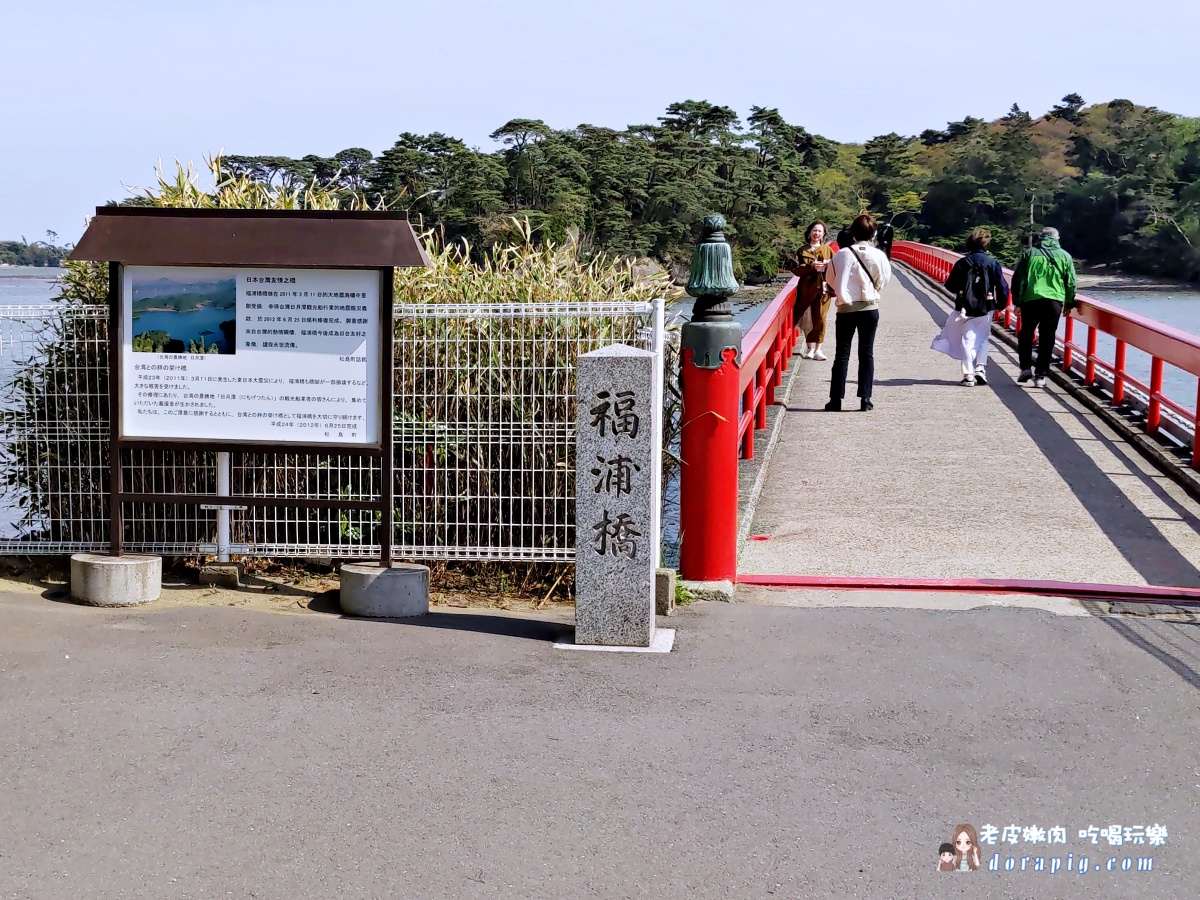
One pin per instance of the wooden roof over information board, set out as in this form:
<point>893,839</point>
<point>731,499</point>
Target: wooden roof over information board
<point>140,236</point>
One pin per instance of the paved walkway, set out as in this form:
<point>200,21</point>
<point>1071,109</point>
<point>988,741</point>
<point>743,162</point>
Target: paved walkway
<point>941,480</point>
<point>776,753</point>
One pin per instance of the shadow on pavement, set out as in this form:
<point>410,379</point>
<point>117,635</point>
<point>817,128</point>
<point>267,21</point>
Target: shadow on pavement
<point>478,622</point>
<point>486,623</point>
<point>1122,522</point>
<point>1173,661</point>
<point>911,382</point>
<point>936,311</point>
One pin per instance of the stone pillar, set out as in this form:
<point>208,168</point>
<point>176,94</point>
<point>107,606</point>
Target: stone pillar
<point>617,496</point>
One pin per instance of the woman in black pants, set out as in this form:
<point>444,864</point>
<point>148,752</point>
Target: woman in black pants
<point>857,274</point>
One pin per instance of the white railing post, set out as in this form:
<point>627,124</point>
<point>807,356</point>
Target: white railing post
<point>223,482</point>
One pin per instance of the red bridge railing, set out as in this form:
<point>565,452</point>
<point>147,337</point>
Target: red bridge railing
<point>1162,343</point>
<point>766,348</point>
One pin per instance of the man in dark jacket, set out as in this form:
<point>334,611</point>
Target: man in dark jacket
<point>884,238</point>
<point>1043,285</point>
<point>979,288</point>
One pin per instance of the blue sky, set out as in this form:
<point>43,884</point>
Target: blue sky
<point>95,93</point>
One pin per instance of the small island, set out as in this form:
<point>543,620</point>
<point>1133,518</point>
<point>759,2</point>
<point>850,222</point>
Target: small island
<point>33,253</point>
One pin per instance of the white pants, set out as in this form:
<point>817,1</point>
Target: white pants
<point>966,340</point>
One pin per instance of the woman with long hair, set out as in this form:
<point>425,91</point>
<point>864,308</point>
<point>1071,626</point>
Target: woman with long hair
<point>812,293</point>
<point>966,848</point>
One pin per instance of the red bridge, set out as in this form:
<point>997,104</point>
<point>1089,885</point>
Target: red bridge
<point>1085,489</point>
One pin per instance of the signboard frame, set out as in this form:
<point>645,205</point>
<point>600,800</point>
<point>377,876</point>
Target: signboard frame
<point>116,326</point>
<point>249,239</point>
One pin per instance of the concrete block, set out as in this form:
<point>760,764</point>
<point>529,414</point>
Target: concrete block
<point>664,592</point>
<point>226,575</point>
<point>618,495</point>
<point>719,591</point>
<point>395,593</point>
<point>100,580</point>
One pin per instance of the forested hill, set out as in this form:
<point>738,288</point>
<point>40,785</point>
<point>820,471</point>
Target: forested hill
<point>1119,180</point>
<point>37,253</point>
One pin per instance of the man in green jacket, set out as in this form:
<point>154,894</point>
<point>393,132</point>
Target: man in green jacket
<point>1043,284</point>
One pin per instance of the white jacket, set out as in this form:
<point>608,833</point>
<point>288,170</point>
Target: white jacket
<point>852,287</point>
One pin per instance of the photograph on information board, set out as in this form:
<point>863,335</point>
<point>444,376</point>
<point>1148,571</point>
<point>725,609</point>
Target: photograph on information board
<point>174,315</point>
<point>251,355</point>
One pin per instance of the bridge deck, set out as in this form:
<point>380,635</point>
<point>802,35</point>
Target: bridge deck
<point>946,481</point>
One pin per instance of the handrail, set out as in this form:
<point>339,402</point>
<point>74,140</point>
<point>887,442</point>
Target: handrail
<point>1162,343</point>
<point>766,349</point>
<point>756,342</point>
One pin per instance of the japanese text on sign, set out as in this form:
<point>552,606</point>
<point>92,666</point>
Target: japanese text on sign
<point>614,414</point>
<point>223,354</point>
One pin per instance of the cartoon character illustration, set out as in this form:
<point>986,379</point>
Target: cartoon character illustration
<point>966,848</point>
<point>946,858</point>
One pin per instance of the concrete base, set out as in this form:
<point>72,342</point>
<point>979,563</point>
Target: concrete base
<point>664,592</point>
<point>720,591</point>
<point>663,642</point>
<point>395,593</point>
<point>226,575</point>
<point>100,580</point>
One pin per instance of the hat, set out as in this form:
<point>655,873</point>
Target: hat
<point>1050,232</point>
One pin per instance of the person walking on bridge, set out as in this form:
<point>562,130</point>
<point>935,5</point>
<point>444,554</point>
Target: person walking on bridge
<point>979,288</point>
<point>857,273</point>
<point>812,293</point>
<point>1043,285</point>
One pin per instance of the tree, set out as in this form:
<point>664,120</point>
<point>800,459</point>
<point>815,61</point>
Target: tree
<point>355,164</point>
<point>1017,117</point>
<point>1068,109</point>
<point>518,135</point>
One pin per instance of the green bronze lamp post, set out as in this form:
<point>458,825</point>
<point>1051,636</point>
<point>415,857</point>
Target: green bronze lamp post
<point>711,280</point>
<point>711,368</point>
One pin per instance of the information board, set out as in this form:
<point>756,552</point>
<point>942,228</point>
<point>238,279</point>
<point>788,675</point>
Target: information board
<point>251,355</point>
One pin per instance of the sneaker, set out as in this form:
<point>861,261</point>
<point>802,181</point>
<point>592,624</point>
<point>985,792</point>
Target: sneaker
<point>968,381</point>
<point>1026,375</point>
<point>980,378</point>
<point>819,354</point>
<point>1039,382</point>
<point>833,406</point>
<point>806,353</point>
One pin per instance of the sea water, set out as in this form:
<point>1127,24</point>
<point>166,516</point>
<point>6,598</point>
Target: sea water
<point>27,285</point>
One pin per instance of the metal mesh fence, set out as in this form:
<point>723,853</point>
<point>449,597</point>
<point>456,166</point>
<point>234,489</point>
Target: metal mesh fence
<point>483,431</point>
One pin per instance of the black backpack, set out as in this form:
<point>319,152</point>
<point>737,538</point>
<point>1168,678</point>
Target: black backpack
<point>974,298</point>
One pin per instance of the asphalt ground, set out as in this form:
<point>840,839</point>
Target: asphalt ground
<point>220,752</point>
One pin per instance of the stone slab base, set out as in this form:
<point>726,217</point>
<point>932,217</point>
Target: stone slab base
<point>100,580</point>
<point>721,591</point>
<point>375,592</point>
<point>663,642</point>
<point>226,575</point>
